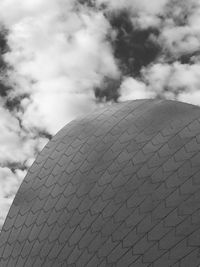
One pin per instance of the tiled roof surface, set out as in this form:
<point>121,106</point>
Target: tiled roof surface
<point>120,187</point>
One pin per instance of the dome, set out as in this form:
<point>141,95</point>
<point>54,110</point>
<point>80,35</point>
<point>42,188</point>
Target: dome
<point>119,187</point>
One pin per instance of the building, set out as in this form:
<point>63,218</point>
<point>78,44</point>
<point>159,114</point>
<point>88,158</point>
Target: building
<point>120,187</point>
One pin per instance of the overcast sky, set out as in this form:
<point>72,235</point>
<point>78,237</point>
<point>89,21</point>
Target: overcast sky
<point>64,58</point>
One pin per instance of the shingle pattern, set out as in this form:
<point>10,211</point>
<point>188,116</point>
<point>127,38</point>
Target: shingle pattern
<point>119,187</point>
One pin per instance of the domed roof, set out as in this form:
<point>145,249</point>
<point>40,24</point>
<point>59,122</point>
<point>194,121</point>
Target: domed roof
<point>120,187</point>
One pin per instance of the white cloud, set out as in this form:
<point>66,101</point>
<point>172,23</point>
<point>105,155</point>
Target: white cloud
<point>13,11</point>
<point>9,183</point>
<point>58,58</point>
<point>15,144</point>
<point>157,76</point>
<point>53,110</point>
<point>144,21</point>
<point>150,7</point>
<point>180,32</point>
<point>9,137</point>
<point>133,89</point>
<point>185,76</point>
<point>173,78</point>
<point>4,207</point>
<point>181,40</point>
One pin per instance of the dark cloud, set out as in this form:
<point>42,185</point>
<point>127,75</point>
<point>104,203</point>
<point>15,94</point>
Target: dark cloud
<point>3,41</point>
<point>91,4</point>
<point>13,166</point>
<point>14,103</point>
<point>187,58</point>
<point>134,48</point>
<point>108,90</point>
<point>4,89</point>
<point>4,48</point>
<point>88,3</point>
<point>44,134</point>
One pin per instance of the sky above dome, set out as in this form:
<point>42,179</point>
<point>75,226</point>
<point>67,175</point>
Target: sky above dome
<point>65,58</point>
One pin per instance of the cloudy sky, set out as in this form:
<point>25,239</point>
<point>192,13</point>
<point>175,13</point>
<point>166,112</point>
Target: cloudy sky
<point>63,58</point>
